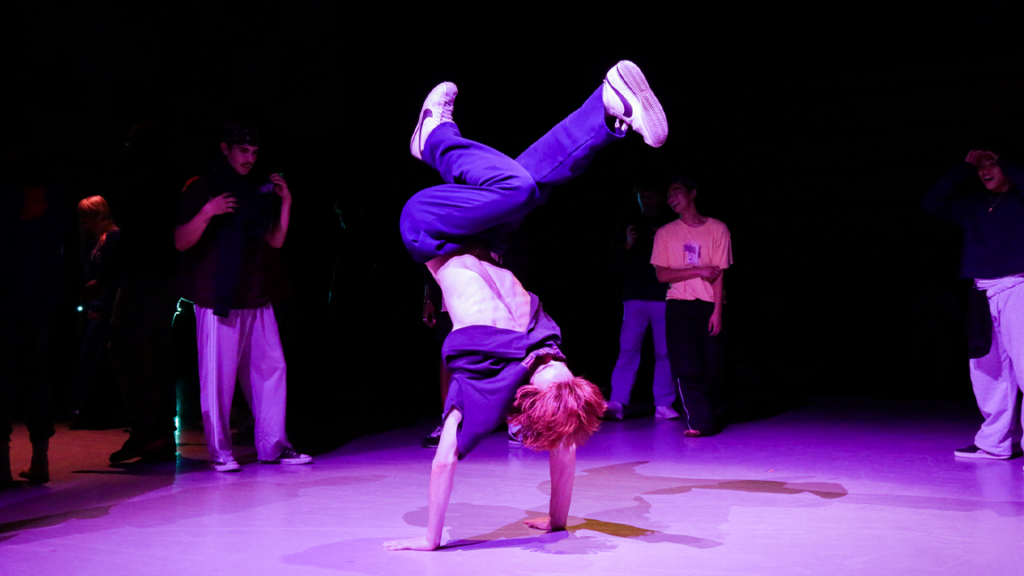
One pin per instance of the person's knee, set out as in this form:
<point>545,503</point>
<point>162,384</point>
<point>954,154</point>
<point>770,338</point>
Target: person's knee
<point>517,183</point>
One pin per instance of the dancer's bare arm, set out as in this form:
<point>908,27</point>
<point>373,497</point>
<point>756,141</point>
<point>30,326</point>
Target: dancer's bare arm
<point>563,471</point>
<point>442,474</point>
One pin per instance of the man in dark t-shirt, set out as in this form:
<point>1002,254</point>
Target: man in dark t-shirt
<point>227,225</point>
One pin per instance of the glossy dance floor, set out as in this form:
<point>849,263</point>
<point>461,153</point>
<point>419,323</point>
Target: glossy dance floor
<point>835,487</point>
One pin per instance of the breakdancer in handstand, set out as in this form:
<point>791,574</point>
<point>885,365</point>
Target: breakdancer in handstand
<point>503,349</point>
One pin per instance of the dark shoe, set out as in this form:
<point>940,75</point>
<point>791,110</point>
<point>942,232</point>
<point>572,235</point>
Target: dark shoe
<point>614,411</point>
<point>36,474</point>
<point>289,456</point>
<point>433,439</point>
<point>973,451</point>
<point>153,448</point>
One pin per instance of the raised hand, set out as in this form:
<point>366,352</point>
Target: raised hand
<point>974,157</point>
<point>631,234</point>
<point>280,186</point>
<point>429,314</point>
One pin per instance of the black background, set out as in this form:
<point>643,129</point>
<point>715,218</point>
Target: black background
<point>814,130</point>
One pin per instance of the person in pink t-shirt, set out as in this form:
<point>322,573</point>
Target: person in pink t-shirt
<point>692,253</point>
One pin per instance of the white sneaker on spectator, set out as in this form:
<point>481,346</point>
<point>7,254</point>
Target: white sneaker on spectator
<point>665,412</point>
<point>973,451</point>
<point>614,411</point>
<point>628,97</point>
<point>229,465</point>
<point>437,108</point>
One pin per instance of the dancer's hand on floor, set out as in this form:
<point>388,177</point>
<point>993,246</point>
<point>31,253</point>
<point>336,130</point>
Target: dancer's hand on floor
<point>411,544</point>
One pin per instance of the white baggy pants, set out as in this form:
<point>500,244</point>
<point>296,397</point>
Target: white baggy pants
<point>998,375</point>
<point>245,345</point>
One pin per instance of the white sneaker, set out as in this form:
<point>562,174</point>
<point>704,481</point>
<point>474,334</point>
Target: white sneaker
<point>665,412</point>
<point>229,465</point>
<point>973,451</point>
<point>437,108</point>
<point>289,456</point>
<point>628,97</point>
<point>514,438</point>
<point>614,411</point>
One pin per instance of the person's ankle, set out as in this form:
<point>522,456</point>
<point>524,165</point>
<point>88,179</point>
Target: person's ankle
<point>5,464</point>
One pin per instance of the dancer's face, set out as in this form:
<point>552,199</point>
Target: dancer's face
<point>992,175</point>
<point>549,372</point>
<point>680,198</point>
<point>240,156</point>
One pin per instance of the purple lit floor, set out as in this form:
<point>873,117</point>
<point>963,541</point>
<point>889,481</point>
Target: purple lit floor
<point>837,487</point>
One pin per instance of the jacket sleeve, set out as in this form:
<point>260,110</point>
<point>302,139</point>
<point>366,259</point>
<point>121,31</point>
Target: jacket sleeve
<point>947,198</point>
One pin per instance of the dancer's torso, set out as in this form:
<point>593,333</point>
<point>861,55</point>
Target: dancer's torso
<point>478,293</point>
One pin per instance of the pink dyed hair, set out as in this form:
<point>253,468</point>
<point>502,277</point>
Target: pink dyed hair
<point>561,413</point>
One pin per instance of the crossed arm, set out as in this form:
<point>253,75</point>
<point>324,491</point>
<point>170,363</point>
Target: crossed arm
<point>713,274</point>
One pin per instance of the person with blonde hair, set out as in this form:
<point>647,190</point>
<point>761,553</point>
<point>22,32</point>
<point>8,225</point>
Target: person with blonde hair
<point>93,387</point>
<point>503,350</point>
<point>94,215</point>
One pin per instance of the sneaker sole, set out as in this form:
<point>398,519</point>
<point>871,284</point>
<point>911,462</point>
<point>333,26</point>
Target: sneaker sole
<point>979,455</point>
<point>653,123</point>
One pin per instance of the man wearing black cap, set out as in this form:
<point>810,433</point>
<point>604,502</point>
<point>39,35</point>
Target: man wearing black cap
<point>227,224</point>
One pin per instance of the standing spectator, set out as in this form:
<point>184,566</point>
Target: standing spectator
<point>993,256</point>
<point>94,379</point>
<point>140,331</point>
<point>32,225</point>
<point>643,305</point>
<point>692,254</point>
<point>227,224</point>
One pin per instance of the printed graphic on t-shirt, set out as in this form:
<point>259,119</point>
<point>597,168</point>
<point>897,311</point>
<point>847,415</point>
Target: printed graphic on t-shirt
<point>692,251</point>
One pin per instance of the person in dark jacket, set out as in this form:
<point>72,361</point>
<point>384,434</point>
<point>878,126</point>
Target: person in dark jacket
<point>643,305</point>
<point>993,256</point>
<point>226,227</point>
<point>32,232</point>
<point>140,327</point>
